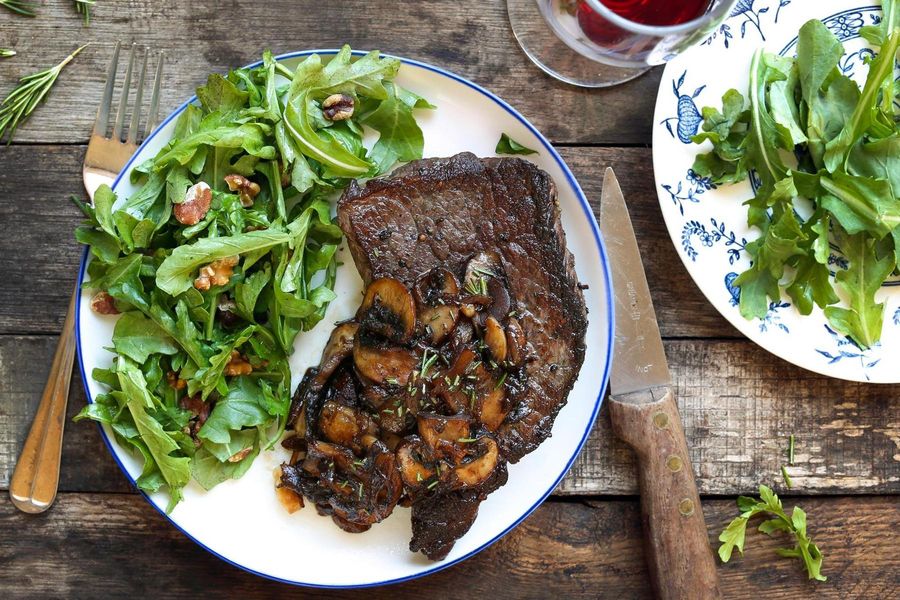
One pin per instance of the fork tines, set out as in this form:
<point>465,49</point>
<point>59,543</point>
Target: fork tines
<point>135,134</point>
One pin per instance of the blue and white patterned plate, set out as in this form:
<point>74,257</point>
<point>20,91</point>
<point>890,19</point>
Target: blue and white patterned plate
<point>708,223</point>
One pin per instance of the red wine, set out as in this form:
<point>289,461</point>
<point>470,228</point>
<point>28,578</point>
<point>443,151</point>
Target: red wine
<point>646,12</point>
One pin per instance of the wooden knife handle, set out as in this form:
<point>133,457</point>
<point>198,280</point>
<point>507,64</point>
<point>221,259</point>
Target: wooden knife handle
<point>678,553</point>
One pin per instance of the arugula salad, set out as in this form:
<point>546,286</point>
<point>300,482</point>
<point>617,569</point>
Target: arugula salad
<point>811,134</point>
<point>227,252</point>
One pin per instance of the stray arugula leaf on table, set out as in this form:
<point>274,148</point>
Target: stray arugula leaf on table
<point>28,93</point>
<point>769,505</point>
<point>507,145</point>
<point>845,142</point>
<point>201,383</point>
<point>7,52</point>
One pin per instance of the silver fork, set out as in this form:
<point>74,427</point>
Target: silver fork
<point>36,477</point>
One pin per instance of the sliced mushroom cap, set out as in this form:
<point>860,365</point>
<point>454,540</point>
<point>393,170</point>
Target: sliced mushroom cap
<point>388,310</point>
<point>516,348</point>
<point>482,266</point>
<point>489,407</point>
<point>450,387</point>
<point>392,366</point>
<point>442,433</point>
<point>344,425</point>
<point>479,469</point>
<point>436,293</point>
<point>500,295</point>
<point>495,339</point>
<point>339,347</point>
<point>411,459</point>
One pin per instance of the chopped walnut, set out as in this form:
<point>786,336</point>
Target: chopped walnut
<point>216,273</point>
<point>195,205</point>
<point>247,190</point>
<point>238,365</point>
<point>104,304</point>
<point>199,413</point>
<point>338,107</point>
<point>175,382</point>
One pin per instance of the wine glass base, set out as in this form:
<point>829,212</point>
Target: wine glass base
<point>554,57</point>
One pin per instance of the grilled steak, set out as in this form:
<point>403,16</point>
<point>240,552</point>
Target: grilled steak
<point>465,347</point>
<point>441,211</point>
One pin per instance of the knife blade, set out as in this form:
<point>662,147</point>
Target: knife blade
<point>640,361</point>
<point>644,414</point>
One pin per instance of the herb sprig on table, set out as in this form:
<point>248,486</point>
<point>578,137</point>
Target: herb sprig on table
<point>25,97</point>
<point>809,132</point>
<point>769,505</point>
<point>226,252</point>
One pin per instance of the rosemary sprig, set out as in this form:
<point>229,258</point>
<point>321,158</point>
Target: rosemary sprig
<point>17,107</point>
<point>7,52</point>
<point>26,9</point>
<point>84,7</point>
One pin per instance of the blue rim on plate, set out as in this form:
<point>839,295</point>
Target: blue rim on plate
<point>589,215</point>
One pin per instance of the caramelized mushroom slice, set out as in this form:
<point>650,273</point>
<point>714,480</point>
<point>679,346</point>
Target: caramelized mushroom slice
<point>495,339</point>
<point>344,425</point>
<point>451,387</point>
<point>516,349</point>
<point>388,310</point>
<point>436,293</point>
<point>391,366</point>
<point>477,470</point>
<point>489,405</point>
<point>339,347</point>
<point>411,459</point>
<point>444,434</point>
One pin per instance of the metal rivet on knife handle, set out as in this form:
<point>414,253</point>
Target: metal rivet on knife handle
<point>661,420</point>
<point>674,463</point>
<point>686,507</point>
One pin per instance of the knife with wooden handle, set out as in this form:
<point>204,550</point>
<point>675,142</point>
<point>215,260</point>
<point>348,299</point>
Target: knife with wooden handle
<point>644,415</point>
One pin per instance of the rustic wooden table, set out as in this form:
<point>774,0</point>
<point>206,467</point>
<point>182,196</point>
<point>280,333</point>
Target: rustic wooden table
<point>738,403</point>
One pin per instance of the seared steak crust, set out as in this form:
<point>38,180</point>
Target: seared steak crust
<point>440,212</point>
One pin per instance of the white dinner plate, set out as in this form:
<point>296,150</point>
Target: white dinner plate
<point>242,522</point>
<point>708,225</point>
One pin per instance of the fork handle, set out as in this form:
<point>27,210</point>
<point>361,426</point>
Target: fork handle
<point>36,478</point>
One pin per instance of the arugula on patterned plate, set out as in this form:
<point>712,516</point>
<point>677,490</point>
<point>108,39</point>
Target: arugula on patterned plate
<point>227,251</point>
<point>813,136</point>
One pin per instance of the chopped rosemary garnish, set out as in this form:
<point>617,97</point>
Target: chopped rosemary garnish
<point>467,440</point>
<point>359,463</point>
<point>392,381</point>
<point>418,476</point>
<point>427,361</point>
<point>360,493</point>
<point>84,7</point>
<point>501,381</point>
<point>24,98</point>
<point>26,9</point>
<point>432,484</point>
<point>388,410</point>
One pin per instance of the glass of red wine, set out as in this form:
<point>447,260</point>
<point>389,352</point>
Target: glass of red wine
<point>600,43</point>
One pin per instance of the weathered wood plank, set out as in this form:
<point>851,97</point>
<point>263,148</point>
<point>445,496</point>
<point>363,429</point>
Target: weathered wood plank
<point>738,405</point>
<point>39,255</point>
<point>576,549</point>
<point>471,38</point>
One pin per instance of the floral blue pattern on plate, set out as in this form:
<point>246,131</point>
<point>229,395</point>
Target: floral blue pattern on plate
<point>707,223</point>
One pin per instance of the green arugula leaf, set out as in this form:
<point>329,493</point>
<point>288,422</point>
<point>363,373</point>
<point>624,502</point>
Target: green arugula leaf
<point>137,337</point>
<point>175,274</point>
<point>507,145</point>
<point>238,409</point>
<point>769,504</point>
<point>401,139</point>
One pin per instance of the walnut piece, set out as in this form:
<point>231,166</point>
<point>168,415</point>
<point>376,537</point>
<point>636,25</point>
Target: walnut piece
<point>246,189</point>
<point>218,272</point>
<point>104,304</point>
<point>338,107</point>
<point>237,365</point>
<point>175,382</point>
<point>195,205</point>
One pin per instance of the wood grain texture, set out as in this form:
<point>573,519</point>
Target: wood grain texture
<point>469,37</point>
<point>114,545</point>
<point>39,256</point>
<point>738,406</point>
